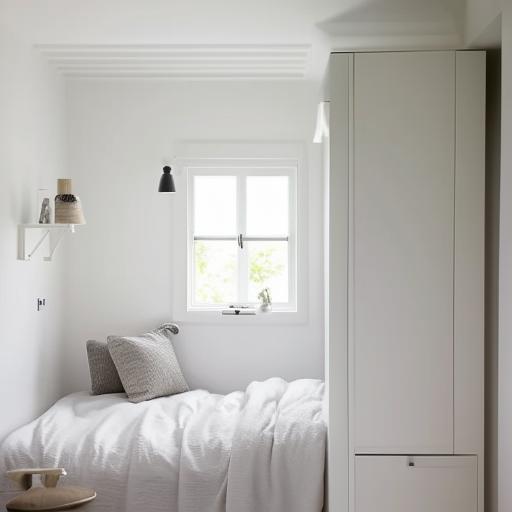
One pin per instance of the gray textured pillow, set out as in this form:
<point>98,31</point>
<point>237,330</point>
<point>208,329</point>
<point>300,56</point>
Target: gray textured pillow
<point>104,376</point>
<point>147,365</point>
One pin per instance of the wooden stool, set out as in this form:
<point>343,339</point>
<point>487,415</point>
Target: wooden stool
<point>48,497</point>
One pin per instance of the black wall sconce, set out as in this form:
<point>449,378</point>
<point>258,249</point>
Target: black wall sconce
<point>166,181</point>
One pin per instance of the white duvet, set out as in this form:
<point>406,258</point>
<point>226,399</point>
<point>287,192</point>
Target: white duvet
<point>261,450</point>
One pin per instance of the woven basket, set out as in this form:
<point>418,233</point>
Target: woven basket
<point>68,210</point>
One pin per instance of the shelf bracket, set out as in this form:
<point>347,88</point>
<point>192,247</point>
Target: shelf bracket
<point>55,239</point>
<point>54,232</point>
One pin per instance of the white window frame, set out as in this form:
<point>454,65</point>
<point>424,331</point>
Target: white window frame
<point>267,168</point>
<point>190,154</point>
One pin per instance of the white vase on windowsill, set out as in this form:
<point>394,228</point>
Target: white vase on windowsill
<point>266,300</point>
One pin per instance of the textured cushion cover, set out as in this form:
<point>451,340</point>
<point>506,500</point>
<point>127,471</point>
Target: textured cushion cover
<point>104,376</point>
<point>147,365</point>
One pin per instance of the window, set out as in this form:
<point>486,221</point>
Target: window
<point>241,236</point>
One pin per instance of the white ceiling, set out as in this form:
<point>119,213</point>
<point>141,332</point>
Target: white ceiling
<point>128,37</point>
<point>398,24</point>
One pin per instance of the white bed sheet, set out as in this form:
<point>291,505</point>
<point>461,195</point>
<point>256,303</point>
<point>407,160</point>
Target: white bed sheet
<point>261,450</point>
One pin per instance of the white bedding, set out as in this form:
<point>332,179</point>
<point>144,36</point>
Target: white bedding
<point>261,450</point>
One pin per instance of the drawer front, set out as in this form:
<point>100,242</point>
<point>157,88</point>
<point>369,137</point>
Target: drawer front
<point>416,484</point>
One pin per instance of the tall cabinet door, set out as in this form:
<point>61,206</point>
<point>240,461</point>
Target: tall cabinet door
<point>402,234</point>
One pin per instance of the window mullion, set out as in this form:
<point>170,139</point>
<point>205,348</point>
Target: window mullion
<point>191,267</point>
<point>243,264</point>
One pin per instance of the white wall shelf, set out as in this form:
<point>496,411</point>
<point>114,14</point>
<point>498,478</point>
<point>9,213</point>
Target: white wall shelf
<point>54,232</point>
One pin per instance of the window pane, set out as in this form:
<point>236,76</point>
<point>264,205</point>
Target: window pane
<point>267,205</point>
<point>268,268</point>
<point>215,205</point>
<point>215,272</point>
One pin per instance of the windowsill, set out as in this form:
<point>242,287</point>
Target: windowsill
<point>215,317</point>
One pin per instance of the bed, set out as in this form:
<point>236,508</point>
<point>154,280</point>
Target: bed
<point>261,450</point>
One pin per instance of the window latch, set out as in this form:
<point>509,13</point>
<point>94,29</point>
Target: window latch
<point>241,241</point>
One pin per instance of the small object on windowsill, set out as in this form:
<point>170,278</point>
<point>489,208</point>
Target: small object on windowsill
<point>239,310</point>
<point>266,300</point>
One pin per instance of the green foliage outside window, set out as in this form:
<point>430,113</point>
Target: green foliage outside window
<point>215,271</point>
<point>262,266</point>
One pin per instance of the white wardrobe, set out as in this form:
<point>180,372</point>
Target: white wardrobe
<point>405,281</point>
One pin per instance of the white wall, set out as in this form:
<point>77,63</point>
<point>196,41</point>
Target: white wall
<point>31,157</point>
<point>119,276</point>
<point>505,287</point>
<point>479,18</point>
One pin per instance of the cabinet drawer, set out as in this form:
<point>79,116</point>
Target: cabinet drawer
<point>416,484</point>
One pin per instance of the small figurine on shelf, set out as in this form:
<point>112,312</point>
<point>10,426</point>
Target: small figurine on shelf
<point>44,207</point>
<point>266,300</point>
<point>44,216</point>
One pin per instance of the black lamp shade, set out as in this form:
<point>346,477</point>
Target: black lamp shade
<point>166,181</point>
